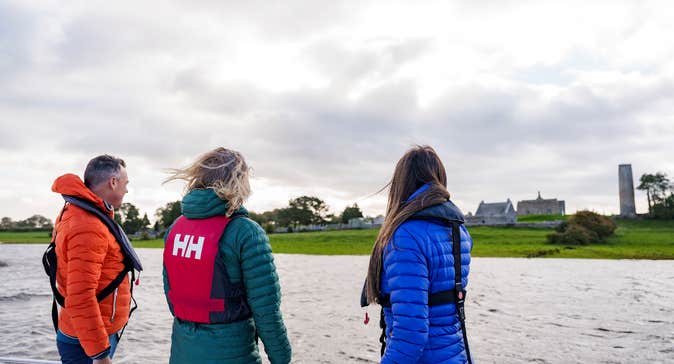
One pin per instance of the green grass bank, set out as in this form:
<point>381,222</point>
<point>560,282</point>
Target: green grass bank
<point>634,239</point>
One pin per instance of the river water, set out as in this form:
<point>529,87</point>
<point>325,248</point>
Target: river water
<point>519,310</point>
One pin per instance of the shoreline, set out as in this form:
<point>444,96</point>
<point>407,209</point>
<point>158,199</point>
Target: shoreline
<point>601,257</point>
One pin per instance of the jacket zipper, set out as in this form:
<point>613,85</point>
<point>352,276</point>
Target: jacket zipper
<point>114,306</point>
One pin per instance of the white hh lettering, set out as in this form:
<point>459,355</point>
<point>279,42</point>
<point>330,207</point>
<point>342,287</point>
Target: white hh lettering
<point>180,244</point>
<point>186,246</point>
<point>195,247</point>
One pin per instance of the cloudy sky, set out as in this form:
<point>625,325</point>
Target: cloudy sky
<point>323,97</point>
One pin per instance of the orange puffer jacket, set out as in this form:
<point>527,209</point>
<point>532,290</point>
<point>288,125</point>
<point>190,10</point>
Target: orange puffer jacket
<point>88,259</point>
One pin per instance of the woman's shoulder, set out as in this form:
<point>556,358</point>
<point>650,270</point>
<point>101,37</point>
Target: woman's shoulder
<point>413,228</point>
<point>410,234</point>
<point>242,224</point>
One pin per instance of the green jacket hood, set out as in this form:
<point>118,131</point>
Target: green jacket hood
<point>203,203</point>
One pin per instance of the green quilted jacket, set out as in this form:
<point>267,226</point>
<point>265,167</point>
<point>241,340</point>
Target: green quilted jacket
<point>247,255</point>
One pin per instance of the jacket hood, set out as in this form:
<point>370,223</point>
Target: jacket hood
<point>72,185</point>
<point>204,203</point>
<point>445,211</point>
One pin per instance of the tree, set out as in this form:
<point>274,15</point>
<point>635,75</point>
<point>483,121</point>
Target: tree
<point>129,215</point>
<point>7,224</point>
<point>307,210</point>
<point>168,214</point>
<point>40,222</point>
<point>664,209</point>
<point>656,186</point>
<point>284,217</point>
<point>259,218</point>
<point>145,222</point>
<point>351,212</point>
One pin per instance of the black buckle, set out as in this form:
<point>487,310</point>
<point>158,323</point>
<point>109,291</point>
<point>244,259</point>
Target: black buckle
<point>460,299</point>
<point>460,292</point>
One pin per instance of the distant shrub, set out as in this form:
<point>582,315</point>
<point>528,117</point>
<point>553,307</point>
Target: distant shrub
<point>585,227</point>
<point>562,227</point>
<point>601,225</point>
<point>542,253</point>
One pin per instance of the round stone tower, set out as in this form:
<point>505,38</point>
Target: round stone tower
<point>626,186</point>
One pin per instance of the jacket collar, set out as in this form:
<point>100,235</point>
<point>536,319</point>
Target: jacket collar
<point>72,185</point>
<point>445,211</point>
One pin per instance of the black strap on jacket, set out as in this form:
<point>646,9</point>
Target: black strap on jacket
<point>457,295</point>
<point>460,292</point>
<point>434,299</point>
<point>131,260</point>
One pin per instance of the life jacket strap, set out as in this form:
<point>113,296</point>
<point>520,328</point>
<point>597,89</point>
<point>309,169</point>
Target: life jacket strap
<point>434,299</point>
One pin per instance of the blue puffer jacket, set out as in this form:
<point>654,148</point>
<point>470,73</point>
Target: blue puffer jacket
<point>419,261</point>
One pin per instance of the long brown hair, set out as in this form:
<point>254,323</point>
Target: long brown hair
<point>419,166</point>
<point>222,170</point>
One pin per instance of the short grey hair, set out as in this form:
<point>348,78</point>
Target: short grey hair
<point>101,168</point>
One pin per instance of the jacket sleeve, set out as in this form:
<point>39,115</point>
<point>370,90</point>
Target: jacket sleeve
<point>466,249</point>
<point>264,292</point>
<point>167,284</point>
<point>86,252</point>
<point>406,271</point>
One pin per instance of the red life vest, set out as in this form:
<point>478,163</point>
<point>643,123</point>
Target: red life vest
<point>200,289</point>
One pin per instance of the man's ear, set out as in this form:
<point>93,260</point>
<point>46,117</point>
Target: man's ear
<point>112,182</point>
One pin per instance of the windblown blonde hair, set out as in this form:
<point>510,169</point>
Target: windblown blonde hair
<point>223,170</point>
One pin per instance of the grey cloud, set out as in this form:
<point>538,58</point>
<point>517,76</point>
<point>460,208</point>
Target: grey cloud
<point>17,27</point>
<point>345,67</point>
<point>231,98</point>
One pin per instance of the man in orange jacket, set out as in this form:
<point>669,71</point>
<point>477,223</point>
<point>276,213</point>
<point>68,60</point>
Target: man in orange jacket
<point>88,259</point>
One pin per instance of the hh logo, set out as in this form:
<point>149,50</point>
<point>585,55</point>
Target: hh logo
<point>187,246</point>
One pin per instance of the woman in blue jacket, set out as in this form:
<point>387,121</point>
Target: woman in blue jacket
<point>412,267</point>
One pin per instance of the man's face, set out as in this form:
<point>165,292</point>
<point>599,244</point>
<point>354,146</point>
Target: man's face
<point>118,188</point>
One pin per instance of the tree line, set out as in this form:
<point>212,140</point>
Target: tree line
<point>303,210</point>
<point>33,223</point>
<point>311,210</point>
<point>659,193</point>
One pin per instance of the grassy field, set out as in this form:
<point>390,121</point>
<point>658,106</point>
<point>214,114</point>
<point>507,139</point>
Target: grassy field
<point>540,218</point>
<point>25,237</point>
<point>634,239</point>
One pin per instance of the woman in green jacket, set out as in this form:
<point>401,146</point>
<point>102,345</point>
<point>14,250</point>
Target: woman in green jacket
<point>219,275</point>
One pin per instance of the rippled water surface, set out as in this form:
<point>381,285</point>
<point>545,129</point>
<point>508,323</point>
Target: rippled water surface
<point>519,310</point>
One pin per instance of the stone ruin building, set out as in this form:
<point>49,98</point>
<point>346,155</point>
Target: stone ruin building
<point>494,213</point>
<point>541,206</point>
